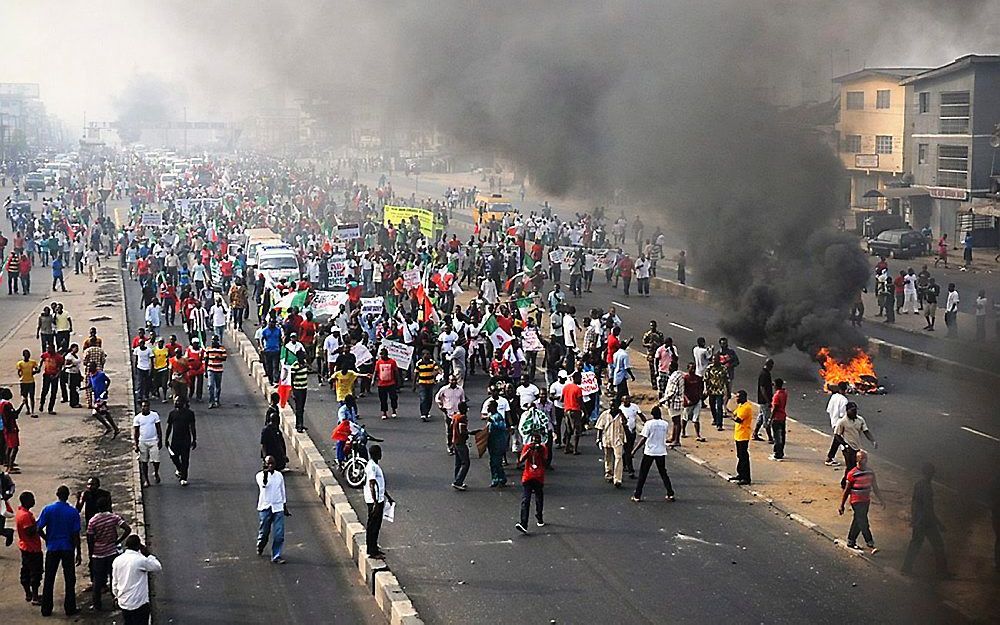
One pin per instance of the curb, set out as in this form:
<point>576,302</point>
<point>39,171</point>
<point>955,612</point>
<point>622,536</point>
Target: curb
<point>382,584</point>
<point>138,506</point>
<point>904,355</point>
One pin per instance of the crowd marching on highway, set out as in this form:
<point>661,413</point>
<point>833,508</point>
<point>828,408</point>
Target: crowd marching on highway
<point>370,293</point>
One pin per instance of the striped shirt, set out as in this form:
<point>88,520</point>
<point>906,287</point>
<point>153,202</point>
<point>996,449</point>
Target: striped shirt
<point>103,527</point>
<point>198,321</point>
<point>426,372</point>
<point>859,481</point>
<point>214,358</point>
<point>300,376</point>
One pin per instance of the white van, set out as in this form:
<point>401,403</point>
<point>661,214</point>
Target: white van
<point>254,238</point>
<point>277,262</point>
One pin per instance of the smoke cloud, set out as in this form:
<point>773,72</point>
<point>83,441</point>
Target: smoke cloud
<point>673,101</point>
<point>145,98</point>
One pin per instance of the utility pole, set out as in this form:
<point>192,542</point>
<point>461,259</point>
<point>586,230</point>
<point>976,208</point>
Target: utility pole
<point>185,130</point>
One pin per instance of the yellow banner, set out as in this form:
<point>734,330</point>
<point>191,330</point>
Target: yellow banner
<point>399,214</point>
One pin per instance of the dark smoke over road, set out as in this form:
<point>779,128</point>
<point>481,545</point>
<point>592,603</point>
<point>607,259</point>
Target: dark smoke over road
<point>673,101</point>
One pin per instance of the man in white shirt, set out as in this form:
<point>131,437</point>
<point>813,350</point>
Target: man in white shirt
<point>836,408</point>
<point>653,440</point>
<point>702,357</point>
<point>569,329</point>
<point>219,314</point>
<point>331,347</point>
<point>130,580</point>
<point>447,338</point>
<point>272,508</point>
<point>555,392</point>
<point>143,368</point>
<point>147,437</point>
<point>631,412</point>
<point>951,310</point>
<point>375,498</point>
<point>910,292</point>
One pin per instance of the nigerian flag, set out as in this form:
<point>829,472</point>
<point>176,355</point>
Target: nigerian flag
<point>288,360</point>
<point>498,336</point>
<point>529,262</point>
<point>523,306</point>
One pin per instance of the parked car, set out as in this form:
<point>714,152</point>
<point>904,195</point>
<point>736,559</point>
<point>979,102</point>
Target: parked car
<point>898,244</point>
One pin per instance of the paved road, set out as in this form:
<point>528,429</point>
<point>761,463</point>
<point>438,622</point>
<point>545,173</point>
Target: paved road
<point>204,534</point>
<point>983,355</point>
<point>601,557</point>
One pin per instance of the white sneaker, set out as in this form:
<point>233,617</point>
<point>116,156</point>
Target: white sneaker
<point>832,463</point>
<point>771,457</point>
<point>184,482</point>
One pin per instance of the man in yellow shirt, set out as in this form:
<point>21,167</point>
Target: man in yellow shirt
<point>26,370</point>
<point>343,380</point>
<point>743,416</point>
<point>161,370</point>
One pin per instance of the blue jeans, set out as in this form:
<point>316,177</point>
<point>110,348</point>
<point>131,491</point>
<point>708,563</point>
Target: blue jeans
<point>271,521</point>
<point>214,386</point>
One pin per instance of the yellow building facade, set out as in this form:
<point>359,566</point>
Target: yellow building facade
<point>871,131</point>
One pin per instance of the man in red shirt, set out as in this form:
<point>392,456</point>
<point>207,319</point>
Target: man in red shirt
<point>30,544</point>
<point>625,266</point>
<point>860,483</point>
<point>572,398</point>
<point>533,458</point>
<point>307,336</point>
<point>899,290</point>
<point>52,366</point>
<point>386,374</point>
<point>778,416</point>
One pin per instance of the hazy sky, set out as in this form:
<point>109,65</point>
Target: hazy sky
<point>82,53</point>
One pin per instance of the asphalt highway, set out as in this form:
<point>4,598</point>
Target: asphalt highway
<point>713,553</point>
<point>204,534</point>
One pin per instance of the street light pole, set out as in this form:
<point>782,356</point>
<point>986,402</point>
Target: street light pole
<point>185,130</point>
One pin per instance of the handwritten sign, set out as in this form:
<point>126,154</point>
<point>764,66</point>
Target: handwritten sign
<point>411,278</point>
<point>556,256</point>
<point>371,306</point>
<point>402,354</point>
<point>530,340</point>
<point>588,383</point>
<point>362,354</point>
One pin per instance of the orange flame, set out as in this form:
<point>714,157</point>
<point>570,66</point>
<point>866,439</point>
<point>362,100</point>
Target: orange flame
<point>857,372</point>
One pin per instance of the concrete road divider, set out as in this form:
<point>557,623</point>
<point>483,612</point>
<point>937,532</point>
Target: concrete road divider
<point>389,595</point>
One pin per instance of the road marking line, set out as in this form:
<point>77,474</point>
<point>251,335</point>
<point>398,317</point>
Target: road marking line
<point>983,434</point>
<point>750,351</point>
<point>677,325</point>
<point>622,305</point>
<point>695,459</point>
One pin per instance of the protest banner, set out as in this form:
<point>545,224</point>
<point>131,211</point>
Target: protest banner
<point>346,232</point>
<point>371,306</point>
<point>326,304</point>
<point>588,382</point>
<point>362,354</point>
<point>152,218</point>
<point>402,354</point>
<point>338,271</point>
<point>556,256</point>
<point>399,214</point>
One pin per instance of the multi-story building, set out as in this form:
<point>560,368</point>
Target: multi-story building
<point>871,131</point>
<point>951,115</point>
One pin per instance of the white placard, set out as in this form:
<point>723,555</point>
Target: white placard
<point>411,278</point>
<point>362,354</point>
<point>402,354</point>
<point>371,306</point>
<point>530,340</point>
<point>348,231</point>
<point>588,383</point>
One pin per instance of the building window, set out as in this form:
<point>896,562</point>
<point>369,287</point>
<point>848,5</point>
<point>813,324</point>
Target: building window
<point>922,154</point>
<point>954,116</point>
<point>883,144</point>
<point>924,101</point>
<point>953,166</point>
<point>855,100</point>
<point>882,99</point>
<point>852,145</point>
